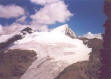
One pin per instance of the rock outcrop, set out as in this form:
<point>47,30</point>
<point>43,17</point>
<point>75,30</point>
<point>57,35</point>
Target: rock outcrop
<point>10,41</point>
<point>106,51</point>
<point>26,30</point>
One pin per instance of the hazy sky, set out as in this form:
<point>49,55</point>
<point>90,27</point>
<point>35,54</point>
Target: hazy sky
<point>87,16</point>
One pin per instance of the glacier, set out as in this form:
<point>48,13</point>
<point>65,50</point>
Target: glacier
<point>55,51</point>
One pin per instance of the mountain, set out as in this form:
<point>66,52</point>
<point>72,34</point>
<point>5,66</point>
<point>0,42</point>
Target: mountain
<point>8,40</point>
<point>54,50</point>
<point>66,30</point>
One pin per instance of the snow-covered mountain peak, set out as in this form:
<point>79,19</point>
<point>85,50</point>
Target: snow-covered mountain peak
<point>65,29</point>
<point>55,50</point>
<point>90,35</point>
<point>62,28</point>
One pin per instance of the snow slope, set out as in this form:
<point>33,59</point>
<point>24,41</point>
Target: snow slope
<point>55,51</point>
<point>65,30</point>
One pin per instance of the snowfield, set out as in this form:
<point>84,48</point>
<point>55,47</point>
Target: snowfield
<point>55,51</point>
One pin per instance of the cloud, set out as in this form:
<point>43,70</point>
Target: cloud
<point>43,2</point>
<point>89,35</point>
<point>12,28</point>
<point>1,29</point>
<point>40,27</point>
<point>11,11</point>
<point>21,19</point>
<point>16,27</point>
<point>52,13</point>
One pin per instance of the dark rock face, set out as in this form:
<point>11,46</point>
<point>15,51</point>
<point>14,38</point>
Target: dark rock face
<point>26,30</point>
<point>14,63</point>
<point>86,69</point>
<point>106,51</point>
<point>70,33</point>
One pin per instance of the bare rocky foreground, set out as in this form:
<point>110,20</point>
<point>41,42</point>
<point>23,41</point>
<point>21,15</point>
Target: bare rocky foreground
<point>14,63</point>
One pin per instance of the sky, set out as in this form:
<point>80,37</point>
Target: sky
<point>82,15</point>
